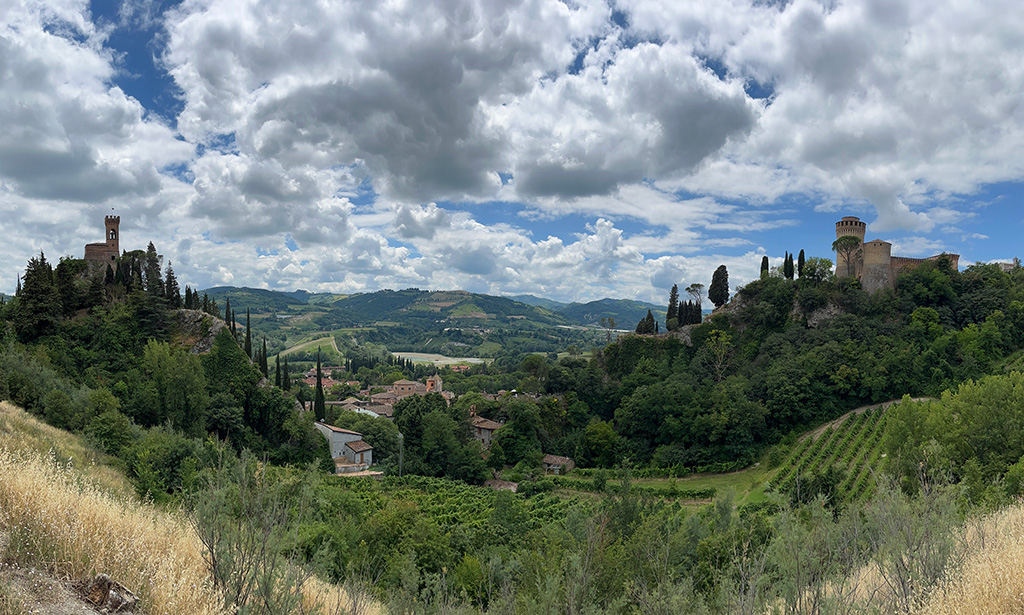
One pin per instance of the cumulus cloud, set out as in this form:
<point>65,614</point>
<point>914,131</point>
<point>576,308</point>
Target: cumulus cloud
<point>319,144</point>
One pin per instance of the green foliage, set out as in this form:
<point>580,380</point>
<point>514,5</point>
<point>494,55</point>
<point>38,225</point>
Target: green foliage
<point>718,292</point>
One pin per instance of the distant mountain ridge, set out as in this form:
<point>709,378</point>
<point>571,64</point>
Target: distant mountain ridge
<point>456,305</point>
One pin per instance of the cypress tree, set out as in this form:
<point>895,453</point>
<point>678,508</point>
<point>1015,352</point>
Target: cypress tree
<point>248,335</point>
<point>319,405</point>
<point>108,276</point>
<point>718,293</point>
<point>286,379</point>
<point>227,312</point>
<point>277,371</point>
<point>17,290</point>
<point>263,359</point>
<point>800,264</point>
<point>673,305</point>
<point>764,266</point>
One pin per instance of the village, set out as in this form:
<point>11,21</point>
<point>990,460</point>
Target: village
<point>353,456</point>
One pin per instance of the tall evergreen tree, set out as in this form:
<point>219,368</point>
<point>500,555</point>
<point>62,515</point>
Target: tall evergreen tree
<point>673,306</point>
<point>151,270</point>
<point>319,405</point>
<point>171,290</point>
<point>248,335</point>
<point>277,371</point>
<point>227,312</point>
<point>263,359</point>
<point>764,266</point>
<point>38,309</point>
<point>718,293</point>
<point>787,266</point>
<point>286,379</point>
<point>800,264</point>
<point>17,289</point>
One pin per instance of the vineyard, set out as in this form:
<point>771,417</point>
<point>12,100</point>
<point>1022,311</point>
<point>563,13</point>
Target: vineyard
<point>854,447</point>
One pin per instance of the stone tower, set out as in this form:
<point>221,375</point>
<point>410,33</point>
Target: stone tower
<point>106,253</point>
<point>113,224</point>
<point>876,266</point>
<point>851,225</point>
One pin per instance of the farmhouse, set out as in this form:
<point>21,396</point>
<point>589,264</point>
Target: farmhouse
<point>348,449</point>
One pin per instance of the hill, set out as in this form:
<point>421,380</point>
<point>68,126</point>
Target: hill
<point>626,312</point>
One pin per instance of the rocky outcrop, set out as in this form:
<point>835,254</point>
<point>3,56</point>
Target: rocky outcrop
<point>197,329</point>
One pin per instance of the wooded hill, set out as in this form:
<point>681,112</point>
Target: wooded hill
<point>447,322</point>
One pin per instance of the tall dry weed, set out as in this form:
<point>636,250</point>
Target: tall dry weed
<point>990,581</point>
<point>63,511</point>
<point>59,521</point>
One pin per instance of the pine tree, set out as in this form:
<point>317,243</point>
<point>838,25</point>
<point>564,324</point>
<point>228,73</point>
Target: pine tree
<point>319,405</point>
<point>718,293</point>
<point>800,264</point>
<point>17,290</point>
<point>277,371</point>
<point>673,306</point>
<point>764,266</point>
<point>248,335</point>
<point>171,290</point>
<point>38,309</point>
<point>154,282</point>
<point>206,303</point>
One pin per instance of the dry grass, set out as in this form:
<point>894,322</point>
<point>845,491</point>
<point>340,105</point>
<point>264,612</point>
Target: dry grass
<point>20,431</point>
<point>67,514</point>
<point>990,582</point>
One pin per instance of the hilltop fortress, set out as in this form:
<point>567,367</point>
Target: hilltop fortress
<point>874,264</point>
<point>106,252</point>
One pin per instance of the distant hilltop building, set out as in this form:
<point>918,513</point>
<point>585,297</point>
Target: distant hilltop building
<point>108,251</point>
<point>874,264</point>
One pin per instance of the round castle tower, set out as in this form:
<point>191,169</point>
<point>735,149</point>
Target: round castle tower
<point>876,272</point>
<point>851,225</point>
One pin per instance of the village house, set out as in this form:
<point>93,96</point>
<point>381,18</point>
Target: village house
<point>348,449</point>
<point>483,430</point>
<point>555,464</point>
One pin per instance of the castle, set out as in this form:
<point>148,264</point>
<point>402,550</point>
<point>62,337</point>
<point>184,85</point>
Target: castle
<point>108,251</point>
<point>874,264</point>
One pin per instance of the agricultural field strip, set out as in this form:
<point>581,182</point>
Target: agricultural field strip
<point>304,345</point>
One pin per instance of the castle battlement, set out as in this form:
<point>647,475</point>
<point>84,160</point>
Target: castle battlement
<point>874,265</point>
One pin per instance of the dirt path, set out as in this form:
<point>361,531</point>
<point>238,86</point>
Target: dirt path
<point>837,422</point>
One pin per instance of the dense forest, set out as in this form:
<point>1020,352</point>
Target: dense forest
<point>111,354</point>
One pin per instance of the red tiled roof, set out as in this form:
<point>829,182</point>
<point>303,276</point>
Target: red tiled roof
<point>359,446</point>
<point>339,429</point>
<point>555,460</point>
<point>483,423</point>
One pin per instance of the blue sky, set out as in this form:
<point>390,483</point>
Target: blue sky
<point>569,150</point>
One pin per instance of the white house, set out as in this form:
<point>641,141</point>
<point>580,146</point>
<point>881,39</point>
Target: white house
<point>348,449</point>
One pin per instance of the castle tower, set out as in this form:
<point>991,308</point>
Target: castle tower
<point>113,224</point>
<point>876,272</point>
<point>850,225</point>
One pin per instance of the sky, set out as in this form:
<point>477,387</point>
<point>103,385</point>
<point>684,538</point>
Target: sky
<point>563,148</point>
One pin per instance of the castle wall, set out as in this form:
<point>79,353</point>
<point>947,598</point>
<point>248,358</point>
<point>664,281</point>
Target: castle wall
<point>877,270</point>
